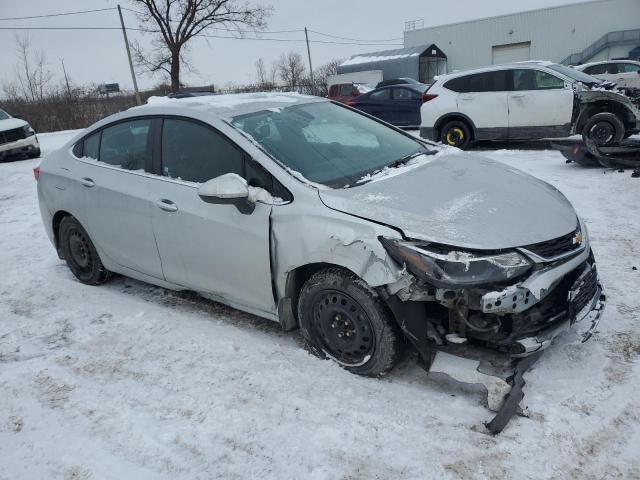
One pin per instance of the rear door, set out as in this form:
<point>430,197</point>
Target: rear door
<point>377,103</point>
<point>212,248</point>
<point>539,104</point>
<point>406,106</point>
<point>114,184</point>
<point>483,98</point>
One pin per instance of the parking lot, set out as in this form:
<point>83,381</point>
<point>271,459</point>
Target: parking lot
<point>130,380</point>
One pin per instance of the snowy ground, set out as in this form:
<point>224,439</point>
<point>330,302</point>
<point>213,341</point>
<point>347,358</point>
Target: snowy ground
<point>132,381</point>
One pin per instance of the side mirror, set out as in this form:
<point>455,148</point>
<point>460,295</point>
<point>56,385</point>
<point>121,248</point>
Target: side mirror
<point>227,189</point>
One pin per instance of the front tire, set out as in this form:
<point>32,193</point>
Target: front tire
<point>81,256</point>
<point>604,129</point>
<point>344,319</point>
<point>456,134</point>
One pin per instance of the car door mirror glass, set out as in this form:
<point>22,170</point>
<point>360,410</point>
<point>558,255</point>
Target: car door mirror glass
<point>227,186</point>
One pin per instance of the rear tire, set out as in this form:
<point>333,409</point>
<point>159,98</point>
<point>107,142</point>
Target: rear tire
<point>35,153</point>
<point>344,319</point>
<point>78,251</point>
<point>456,134</point>
<point>604,129</point>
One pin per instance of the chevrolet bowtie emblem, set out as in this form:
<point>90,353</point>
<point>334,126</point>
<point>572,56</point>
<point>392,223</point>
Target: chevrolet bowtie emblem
<point>577,239</point>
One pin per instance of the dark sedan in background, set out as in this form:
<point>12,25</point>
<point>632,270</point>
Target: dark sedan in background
<point>396,104</point>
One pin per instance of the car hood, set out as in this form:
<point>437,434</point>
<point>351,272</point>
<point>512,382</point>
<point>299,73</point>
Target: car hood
<point>461,200</point>
<point>11,123</point>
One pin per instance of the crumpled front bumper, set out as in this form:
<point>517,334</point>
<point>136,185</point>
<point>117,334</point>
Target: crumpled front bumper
<point>585,323</point>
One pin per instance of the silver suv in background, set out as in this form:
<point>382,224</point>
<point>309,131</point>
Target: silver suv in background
<point>317,216</point>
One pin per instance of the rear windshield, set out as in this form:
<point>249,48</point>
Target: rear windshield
<point>327,143</point>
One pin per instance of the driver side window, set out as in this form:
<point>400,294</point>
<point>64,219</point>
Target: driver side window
<point>196,153</point>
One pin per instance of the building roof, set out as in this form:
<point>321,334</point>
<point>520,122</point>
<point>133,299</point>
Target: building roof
<point>385,55</point>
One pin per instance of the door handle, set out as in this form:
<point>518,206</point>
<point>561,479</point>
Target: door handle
<point>517,95</point>
<point>166,205</point>
<point>466,97</point>
<point>87,182</point>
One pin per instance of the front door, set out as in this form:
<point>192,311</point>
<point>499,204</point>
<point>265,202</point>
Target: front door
<point>540,104</point>
<point>117,208</point>
<point>208,247</point>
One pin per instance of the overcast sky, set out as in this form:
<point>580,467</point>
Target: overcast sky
<point>99,56</point>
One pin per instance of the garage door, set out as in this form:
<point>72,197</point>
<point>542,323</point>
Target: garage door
<point>512,52</point>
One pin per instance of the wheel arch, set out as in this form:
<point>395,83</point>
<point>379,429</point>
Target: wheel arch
<point>450,117</point>
<point>288,305</point>
<point>55,224</point>
<point>602,106</point>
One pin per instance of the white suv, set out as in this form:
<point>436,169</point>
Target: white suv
<point>624,73</point>
<point>521,101</point>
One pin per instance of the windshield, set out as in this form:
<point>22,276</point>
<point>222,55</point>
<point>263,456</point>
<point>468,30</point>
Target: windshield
<point>575,74</point>
<point>4,115</point>
<point>327,143</point>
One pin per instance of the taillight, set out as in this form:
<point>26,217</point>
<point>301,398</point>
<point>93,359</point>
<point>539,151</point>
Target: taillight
<point>36,172</point>
<point>351,102</point>
<point>428,96</point>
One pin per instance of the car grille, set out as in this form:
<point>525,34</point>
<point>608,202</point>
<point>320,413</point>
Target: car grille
<point>12,135</point>
<point>556,247</point>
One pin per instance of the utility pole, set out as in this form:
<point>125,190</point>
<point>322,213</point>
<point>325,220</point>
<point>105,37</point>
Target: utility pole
<point>66,79</point>
<point>313,84</point>
<point>126,44</point>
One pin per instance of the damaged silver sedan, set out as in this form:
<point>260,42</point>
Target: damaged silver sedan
<point>320,217</point>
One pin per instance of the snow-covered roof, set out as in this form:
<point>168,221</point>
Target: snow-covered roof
<point>234,104</point>
<point>384,55</point>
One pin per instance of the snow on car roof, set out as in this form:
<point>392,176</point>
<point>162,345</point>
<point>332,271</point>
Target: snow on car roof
<point>234,104</point>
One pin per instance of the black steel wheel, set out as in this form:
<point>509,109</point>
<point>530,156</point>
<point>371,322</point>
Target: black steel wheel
<point>78,251</point>
<point>344,319</point>
<point>604,129</point>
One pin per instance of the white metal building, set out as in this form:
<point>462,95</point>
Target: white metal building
<point>584,29</point>
<point>571,34</point>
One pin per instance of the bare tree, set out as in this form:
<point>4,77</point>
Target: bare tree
<point>291,69</point>
<point>179,21</point>
<point>321,76</point>
<point>32,74</point>
<point>261,72</point>
<point>273,73</point>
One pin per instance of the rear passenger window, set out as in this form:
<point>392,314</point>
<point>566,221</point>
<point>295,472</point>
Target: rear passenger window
<point>460,84</point>
<point>196,153</point>
<point>380,94</point>
<point>596,69</point>
<point>627,68</point>
<point>126,145</point>
<point>405,94</point>
<point>480,82</point>
<point>91,146</point>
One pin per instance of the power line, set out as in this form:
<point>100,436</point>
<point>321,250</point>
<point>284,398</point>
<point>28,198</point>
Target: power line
<point>259,39</point>
<point>57,14</point>
<point>356,39</point>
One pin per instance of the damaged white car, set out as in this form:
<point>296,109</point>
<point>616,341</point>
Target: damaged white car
<point>318,216</point>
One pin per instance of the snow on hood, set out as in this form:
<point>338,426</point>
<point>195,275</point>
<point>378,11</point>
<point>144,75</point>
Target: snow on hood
<point>11,123</point>
<point>464,201</point>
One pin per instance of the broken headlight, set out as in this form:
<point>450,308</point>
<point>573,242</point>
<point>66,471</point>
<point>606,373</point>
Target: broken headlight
<point>446,267</point>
